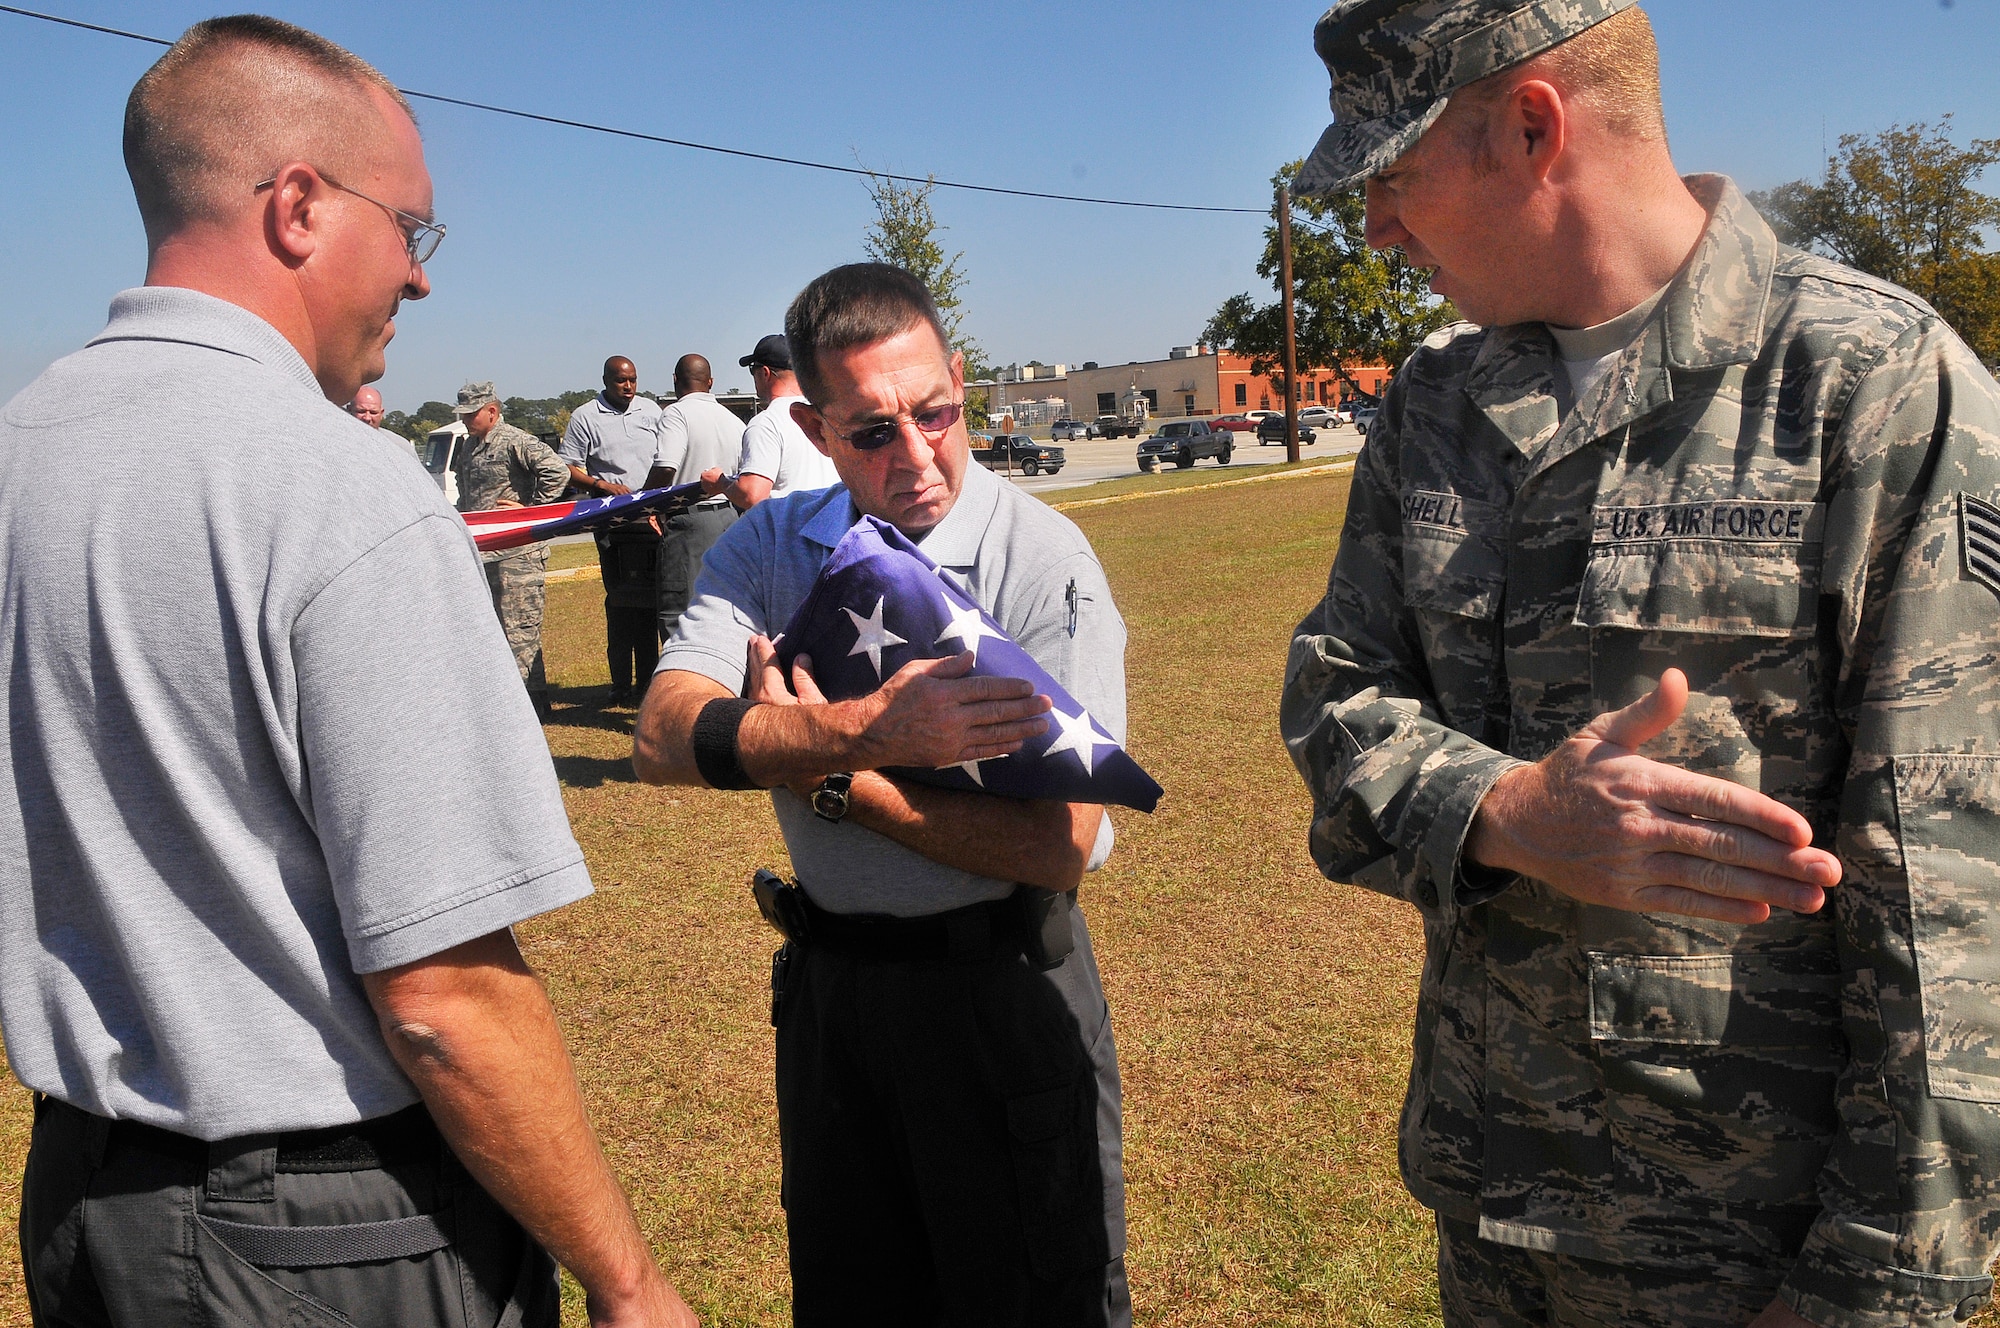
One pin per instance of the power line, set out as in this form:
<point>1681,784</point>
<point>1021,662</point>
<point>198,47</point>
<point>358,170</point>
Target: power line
<point>700,147</point>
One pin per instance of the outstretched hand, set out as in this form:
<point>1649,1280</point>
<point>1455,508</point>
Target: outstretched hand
<point>1605,825</point>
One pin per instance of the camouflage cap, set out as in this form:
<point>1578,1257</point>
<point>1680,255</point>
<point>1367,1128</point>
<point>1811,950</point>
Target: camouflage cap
<point>1395,64</point>
<point>474,397</point>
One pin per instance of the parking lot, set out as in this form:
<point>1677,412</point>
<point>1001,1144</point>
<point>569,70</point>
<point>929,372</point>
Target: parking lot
<point>1109,459</point>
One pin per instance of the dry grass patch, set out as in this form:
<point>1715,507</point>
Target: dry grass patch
<point>1262,1014</point>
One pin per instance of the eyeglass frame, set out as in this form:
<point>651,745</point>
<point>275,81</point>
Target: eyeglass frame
<point>894,427</point>
<point>425,230</point>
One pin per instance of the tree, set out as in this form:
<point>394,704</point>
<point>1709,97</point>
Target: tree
<point>1902,205</point>
<point>905,235</point>
<point>1351,304</point>
<point>978,409</point>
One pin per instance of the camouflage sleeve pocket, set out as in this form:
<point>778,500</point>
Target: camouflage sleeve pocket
<point>1948,814</point>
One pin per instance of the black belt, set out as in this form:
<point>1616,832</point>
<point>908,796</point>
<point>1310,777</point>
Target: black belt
<point>409,1135</point>
<point>977,931</point>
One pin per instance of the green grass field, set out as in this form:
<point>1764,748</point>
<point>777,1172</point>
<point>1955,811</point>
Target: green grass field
<point>1262,1014</point>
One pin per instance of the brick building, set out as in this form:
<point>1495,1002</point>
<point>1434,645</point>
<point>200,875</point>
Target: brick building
<point>1192,380</point>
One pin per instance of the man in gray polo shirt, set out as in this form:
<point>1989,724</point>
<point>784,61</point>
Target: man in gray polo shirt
<point>610,445</point>
<point>697,432</point>
<point>948,1098</point>
<point>289,1065</point>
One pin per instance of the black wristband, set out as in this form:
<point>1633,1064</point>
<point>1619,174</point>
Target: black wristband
<point>715,754</point>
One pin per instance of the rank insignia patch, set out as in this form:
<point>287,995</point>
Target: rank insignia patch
<point>1979,539</point>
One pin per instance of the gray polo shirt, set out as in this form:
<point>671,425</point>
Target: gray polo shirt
<point>613,445</point>
<point>698,433</point>
<point>265,733</point>
<point>1010,552</point>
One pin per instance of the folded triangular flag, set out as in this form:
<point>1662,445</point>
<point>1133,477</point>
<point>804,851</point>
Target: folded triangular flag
<point>880,603</point>
<point>511,527</point>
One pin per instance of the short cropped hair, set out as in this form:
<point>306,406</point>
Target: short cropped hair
<point>1613,66</point>
<point>234,99</point>
<point>856,305</point>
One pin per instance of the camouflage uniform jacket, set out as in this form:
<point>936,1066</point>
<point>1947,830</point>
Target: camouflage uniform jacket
<point>1785,487</point>
<point>508,463</point>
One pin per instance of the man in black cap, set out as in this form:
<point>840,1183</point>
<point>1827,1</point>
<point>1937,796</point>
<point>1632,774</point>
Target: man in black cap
<point>1706,1036</point>
<point>777,457</point>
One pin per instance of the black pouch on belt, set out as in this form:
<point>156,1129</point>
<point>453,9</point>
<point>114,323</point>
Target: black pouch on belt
<point>1049,939</point>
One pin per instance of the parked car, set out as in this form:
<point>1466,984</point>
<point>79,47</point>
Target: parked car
<point>1017,451</point>
<point>1320,417</point>
<point>1261,415</point>
<point>1071,431</point>
<point>1271,429</point>
<point>1185,442</point>
<point>1112,426</point>
<point>1363,417</point>
<point>1235,423</point>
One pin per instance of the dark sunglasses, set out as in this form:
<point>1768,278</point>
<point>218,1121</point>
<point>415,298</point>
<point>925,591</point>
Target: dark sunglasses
<point>930,423</point>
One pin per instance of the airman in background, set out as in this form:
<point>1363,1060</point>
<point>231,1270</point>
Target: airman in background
<point>502,466</point>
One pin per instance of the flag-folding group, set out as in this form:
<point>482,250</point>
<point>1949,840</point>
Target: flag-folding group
<point>511,527</point>
<point>880,603</point>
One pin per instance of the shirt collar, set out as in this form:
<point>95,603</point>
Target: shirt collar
<point>953,542</point>
<point>175,313</point>
<point>834,519</point>
<point>1714,315</point>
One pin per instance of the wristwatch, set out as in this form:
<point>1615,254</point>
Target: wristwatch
<point>829,800</point>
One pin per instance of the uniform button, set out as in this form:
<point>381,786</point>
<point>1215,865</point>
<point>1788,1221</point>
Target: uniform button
<point>1970,1306</point>
<point>1427,895</point>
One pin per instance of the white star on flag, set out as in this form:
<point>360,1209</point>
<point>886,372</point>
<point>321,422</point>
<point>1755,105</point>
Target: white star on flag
<point>971,769</point>
<point>968,626</point>
<point>1079,735</point>
<point>872,636</point>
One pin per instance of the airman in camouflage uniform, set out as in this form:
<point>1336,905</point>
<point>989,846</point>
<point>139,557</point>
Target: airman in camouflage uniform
<point>499,465</point>
<point>1787,486</point>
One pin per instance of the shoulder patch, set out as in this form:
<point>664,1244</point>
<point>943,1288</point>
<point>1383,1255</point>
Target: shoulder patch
<point>1979,539</point>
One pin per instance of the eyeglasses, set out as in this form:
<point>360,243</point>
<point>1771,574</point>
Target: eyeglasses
<point>423,238</point>
<point>931,423</point>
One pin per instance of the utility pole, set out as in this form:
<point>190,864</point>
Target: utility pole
<point>1291,327</point>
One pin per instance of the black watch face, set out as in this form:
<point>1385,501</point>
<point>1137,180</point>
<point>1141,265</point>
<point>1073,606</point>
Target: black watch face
<point>829,800</point>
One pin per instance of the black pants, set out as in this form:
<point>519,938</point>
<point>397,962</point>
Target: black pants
<point>951,1142</point>
<point>684,541</point>
<point>631,647</point>
<point>628,558</point>
<point>136,1228</point>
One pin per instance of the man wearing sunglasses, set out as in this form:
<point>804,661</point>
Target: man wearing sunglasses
<point>289,1065</point>
<point>947,1085</point>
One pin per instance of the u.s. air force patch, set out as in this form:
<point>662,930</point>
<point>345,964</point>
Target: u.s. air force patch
<point>1979,539</point>
<point>1728,521</point>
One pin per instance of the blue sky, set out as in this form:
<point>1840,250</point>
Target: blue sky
<point>567,246</point>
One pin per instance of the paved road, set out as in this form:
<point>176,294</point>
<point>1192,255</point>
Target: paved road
<point>1087,463</point>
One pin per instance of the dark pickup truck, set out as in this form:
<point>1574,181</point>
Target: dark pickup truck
<point>1017,451</point>
<point>1185,442</point>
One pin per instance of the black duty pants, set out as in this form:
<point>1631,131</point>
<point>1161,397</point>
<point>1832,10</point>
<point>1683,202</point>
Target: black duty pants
<point>135,1228</point>
<point>683,542</point>
<point>631,647</point>
<point>628,558</point>
<point>951,1142</point>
